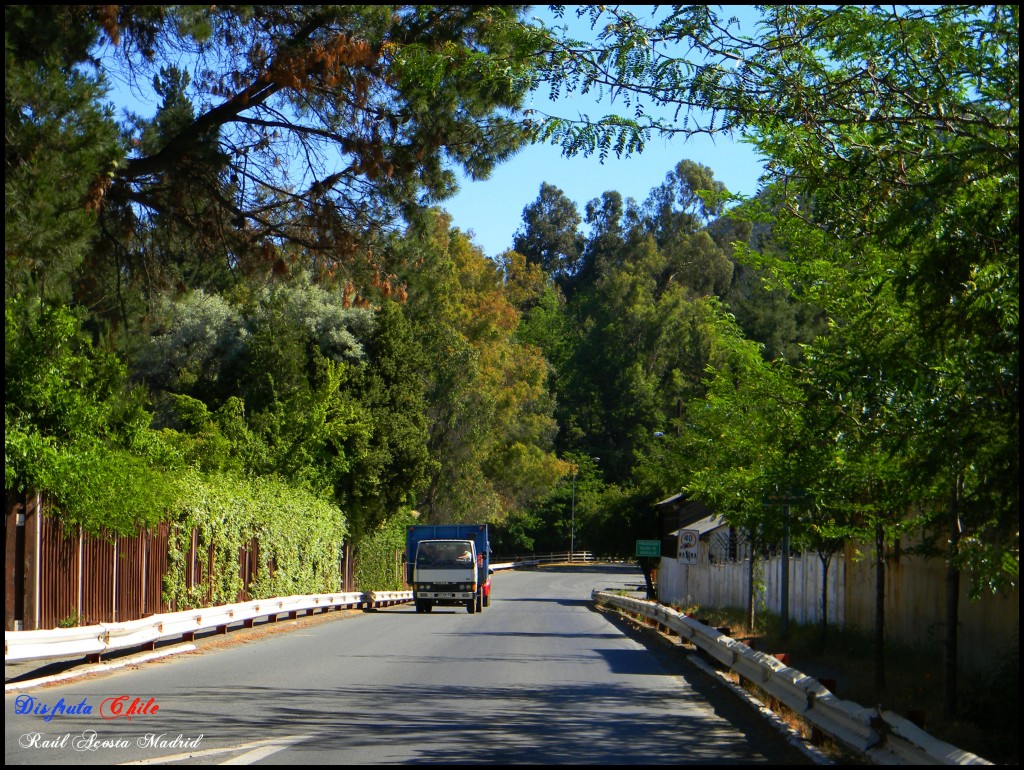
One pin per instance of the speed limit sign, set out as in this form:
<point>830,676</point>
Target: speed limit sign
<point>689,540</point>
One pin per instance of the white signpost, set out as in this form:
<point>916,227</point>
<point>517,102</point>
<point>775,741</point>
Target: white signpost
<point>689,542</point>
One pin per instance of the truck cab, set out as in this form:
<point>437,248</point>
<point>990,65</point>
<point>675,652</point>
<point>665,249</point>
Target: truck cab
<point>445,573</point>
<point>448,565</point>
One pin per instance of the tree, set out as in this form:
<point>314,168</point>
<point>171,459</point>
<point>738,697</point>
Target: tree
<point>75,427</point>
<point>895,131</point>
<point>239,245</point>
<point>677,214</point>
<point>735,446</point>
<point>864,411</point>
<point>292,383</point>
<point>60,148</point>
<point>642,333</point>
<point>280,134</point>
<point>610,219</point>
<point>685,202</point>
<point>898,126</point>
<point>767,312</point>
<point>550,236</point>
<point>526,283</point>
<point>488,402</point>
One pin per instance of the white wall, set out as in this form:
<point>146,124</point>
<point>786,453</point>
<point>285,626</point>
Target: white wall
<point>725,585</point>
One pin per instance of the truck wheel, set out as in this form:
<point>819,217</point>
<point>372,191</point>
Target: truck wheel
<point>421,606</point>
<point>471,606</point>
<point>479,603</point>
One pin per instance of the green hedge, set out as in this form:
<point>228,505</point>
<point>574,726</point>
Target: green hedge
<point>378,556</point>
<point>299,534</point>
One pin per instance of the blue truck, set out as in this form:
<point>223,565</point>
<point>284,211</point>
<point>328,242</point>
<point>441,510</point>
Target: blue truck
<point>448,565</point>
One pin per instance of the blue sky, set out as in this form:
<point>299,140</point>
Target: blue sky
<point>493,209</point>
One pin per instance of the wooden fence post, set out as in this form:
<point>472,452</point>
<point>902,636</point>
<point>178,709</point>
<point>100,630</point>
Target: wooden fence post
<point>14,561</point>
<point>33,527</point>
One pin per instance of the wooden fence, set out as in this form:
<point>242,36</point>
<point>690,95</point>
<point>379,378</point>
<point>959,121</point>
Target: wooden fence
<point>58,577</point>
<point>915,592</point>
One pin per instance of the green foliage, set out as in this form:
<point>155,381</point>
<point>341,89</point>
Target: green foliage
<point>305,134</point>
<point>195,347</point>
<point>547,326</point>
<point>265,387</point>
<point>56,382</point>
<point>619,516</point>
<point>61,148</point>
<point>293,383</point>
<point>298,538</point>
<point>392,468</point>
<point>641,357</point>
<point>630,348</point>
<point>379,563</point>
<point>71,620</point>
<point>488,403</point>
<point>550,235</point>
<point>892,140</point>
<point>518,534</point>
<point>687,200</point>
<point>736,444</point>
<point>106,489</point>
<point>74,429</point>
<point>295,355</point>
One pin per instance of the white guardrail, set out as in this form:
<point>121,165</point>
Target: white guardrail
<point>107,637</point>
<point>882,736</point>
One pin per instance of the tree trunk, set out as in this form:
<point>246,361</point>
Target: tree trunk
<point>750,591</point>
<point>879,607</point>
<point>826,560</point>
<point>950,644</point>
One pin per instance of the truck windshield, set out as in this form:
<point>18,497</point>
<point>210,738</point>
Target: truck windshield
<point>449,554</point>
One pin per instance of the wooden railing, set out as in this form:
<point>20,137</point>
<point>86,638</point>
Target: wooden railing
<point>556,557</point>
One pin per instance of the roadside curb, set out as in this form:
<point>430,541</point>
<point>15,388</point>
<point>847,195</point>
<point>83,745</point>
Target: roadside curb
<point>792,736</point>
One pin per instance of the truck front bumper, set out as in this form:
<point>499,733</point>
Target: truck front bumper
<point>439,596</point>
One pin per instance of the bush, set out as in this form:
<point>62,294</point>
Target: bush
<point>297,534</point>
<point>378,556</point>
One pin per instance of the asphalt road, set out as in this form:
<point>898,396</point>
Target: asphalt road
<point>540,676</point>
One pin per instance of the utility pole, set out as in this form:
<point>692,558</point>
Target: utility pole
<point>572,524</point>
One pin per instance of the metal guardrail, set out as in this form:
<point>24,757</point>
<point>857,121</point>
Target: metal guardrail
<point>508,565</point>
<point>882,736</point>
<point>107,637</point>
<point>103,638</point>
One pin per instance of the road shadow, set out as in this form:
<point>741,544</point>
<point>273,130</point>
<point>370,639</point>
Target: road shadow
<point>548,600</point>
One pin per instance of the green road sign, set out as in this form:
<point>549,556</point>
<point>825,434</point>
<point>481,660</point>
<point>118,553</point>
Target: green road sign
<point>648,548</point>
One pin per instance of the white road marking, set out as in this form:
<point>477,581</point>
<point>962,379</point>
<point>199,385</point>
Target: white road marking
<point>254,756</point>
<point>255,751</point>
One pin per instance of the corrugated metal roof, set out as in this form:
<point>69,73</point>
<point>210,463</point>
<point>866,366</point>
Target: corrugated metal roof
<point>703,526</point>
